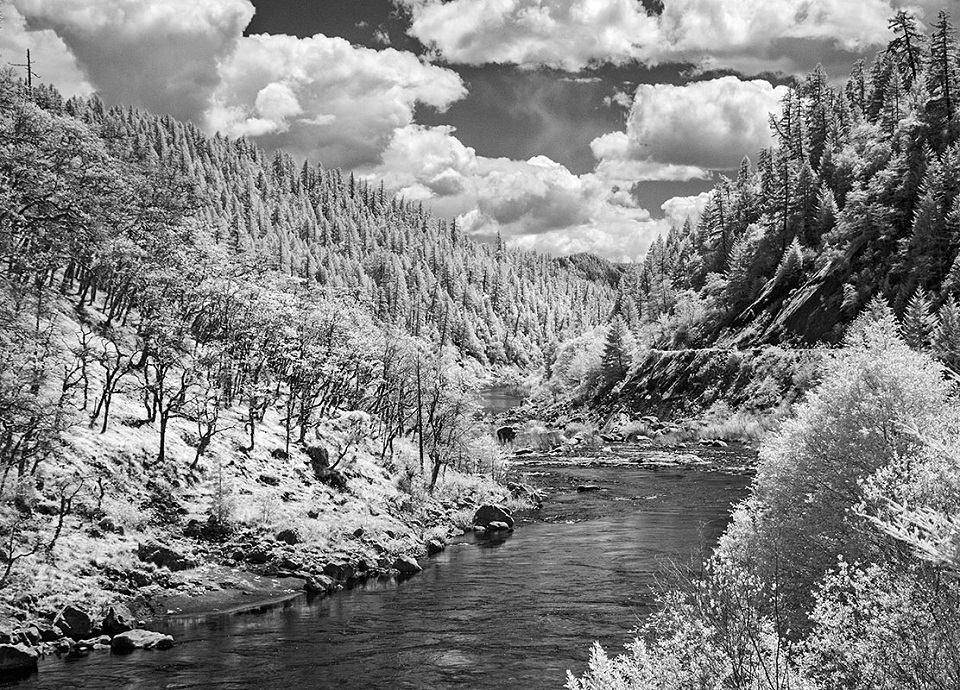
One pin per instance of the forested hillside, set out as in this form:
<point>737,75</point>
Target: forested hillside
<point>858,198</point>
<point>203,194</point>
<point>185,321</point>
<point>840,569</point>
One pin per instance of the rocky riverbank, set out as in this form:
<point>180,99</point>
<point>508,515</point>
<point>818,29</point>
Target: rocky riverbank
<point>243,572</point>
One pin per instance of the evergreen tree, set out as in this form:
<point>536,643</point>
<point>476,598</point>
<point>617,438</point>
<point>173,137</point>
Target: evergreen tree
<point>946,334</point>
<point>617,352</point>
<point>907,46</point>
<point>943,80</point>
<point>918,321</point>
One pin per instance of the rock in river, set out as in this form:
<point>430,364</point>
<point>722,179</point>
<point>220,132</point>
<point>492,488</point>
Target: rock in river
<point>140,639</point>
<point>75,622</point>
<point>17,658</point>
<point>489,513</point>
<point>118,620</point>
<point>407,565</point>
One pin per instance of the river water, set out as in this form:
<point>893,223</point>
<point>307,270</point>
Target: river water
<point>506,613</point>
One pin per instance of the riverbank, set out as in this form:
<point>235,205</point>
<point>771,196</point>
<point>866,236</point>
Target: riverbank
<point>486,613</point>
<point>241,529</point>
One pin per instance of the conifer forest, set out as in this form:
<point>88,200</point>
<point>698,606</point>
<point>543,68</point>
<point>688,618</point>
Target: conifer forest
<point>457,413</point>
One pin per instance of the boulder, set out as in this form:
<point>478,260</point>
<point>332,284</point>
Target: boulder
<point>74,622</point>
<point>288,563</point>
<point>319,459</point>
<point>16,658</point>
<point>29,634</point>
<point>258,556</point>
<point>290,536</point>
<point>126,642</point>
<point>318,584</point>
<point>118,620</point>
<point>490,513</point>
<point>506,434</point>
<point>269,480</point>
<point>406,565</point>
<point>48,631</point>
<point>435,546</point>
<point>497,526</point>
<point>339,571</point>
<point>164,556</point>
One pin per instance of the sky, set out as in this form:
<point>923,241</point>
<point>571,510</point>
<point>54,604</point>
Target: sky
<point>562,125</point>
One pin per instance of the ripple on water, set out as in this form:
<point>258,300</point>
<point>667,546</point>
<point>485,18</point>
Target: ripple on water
<point>485,614</point>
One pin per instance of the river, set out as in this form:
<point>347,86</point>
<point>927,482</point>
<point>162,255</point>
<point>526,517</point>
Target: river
<point>503,613</point>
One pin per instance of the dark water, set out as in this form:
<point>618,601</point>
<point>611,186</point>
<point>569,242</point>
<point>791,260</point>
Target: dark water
<point>515,613</point>
<point>498,399</point>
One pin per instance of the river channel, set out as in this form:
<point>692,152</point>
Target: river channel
<point>515,612</point>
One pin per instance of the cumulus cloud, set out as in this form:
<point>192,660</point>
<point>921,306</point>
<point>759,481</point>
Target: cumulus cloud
<point>323,98</point>
<point>561,33</point>
<point>162,56</point>
<point>537,203</point>
<point>680,209</point>
<point>680,130</point>
<point>52,59</point>
<point>572,34</point>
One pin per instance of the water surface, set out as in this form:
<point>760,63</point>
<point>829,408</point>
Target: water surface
<point>510,613</point>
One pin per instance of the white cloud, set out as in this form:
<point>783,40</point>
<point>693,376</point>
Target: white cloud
<point>562,33</point>
<point>679,209</point>
<point>162,56</point>
<point>537,204</point>
<point>572,34</point>
<point>681,131</point>
<point>322,97</point>
<point>52,60</point>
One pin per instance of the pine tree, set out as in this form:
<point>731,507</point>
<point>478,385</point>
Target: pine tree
<point>946,334</point>
<point>791,265</point>
<point>943,79</point>
<point>617,353</point>
<point>907,46</point>
<point>918,321</point>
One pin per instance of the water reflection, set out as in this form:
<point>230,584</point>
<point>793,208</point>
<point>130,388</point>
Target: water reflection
<point>511,610</point>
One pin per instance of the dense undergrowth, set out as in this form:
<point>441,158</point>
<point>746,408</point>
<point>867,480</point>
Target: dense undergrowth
<point>840,570</point>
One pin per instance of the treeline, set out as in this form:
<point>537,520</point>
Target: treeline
<point>139,256</point>
<point>858,198</point>
<point>416,272</point>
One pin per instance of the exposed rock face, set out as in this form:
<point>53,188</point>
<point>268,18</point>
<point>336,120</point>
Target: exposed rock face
<point>75,623</point>
<point>118,620</point>
<point>406,565</point>
<point>684,382</point>
<point>489,513</point>
<point>164,556</point>
<point>16,658</point>
<point>126,642</point>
